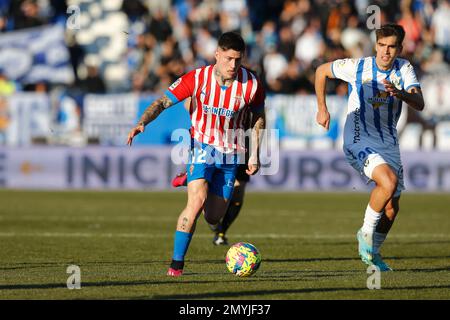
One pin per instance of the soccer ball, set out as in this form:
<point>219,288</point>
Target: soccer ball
<point>243,259</point>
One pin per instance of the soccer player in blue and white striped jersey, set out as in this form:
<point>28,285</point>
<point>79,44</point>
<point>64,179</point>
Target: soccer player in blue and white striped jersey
<point>378,87</point>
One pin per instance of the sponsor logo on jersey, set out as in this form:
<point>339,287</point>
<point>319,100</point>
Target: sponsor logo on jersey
<point>357,129</point>
<point>382,98</point>
<point>175,84</point>
<point>218,111</point>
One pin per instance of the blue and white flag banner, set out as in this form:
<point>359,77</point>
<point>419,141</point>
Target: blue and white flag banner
<point>36,55</point>
<point>30,117</point>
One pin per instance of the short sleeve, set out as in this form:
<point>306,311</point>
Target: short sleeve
<point>257,104</point>
<point>344,69</point>
<point>409,76</point>
<point>182,88</point>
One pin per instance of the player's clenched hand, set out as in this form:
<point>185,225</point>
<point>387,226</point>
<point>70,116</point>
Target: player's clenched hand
<point>390,88</point>
<point>134,132</point>
<point>323,118</point>
<point>253,166</point>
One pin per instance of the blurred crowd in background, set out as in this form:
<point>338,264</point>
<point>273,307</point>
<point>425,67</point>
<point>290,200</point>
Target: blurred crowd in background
<point>144,45</point>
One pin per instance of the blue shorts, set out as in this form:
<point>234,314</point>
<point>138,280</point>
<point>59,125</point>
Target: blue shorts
<point>217,168</point>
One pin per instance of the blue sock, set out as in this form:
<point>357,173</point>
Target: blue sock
<point>181,245</point>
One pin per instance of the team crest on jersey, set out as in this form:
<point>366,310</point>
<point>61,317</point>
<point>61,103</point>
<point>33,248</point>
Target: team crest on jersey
<point>175,84</point>
<point>380,99</point>
<point>237,101</point>
<point>340,63</point>
<point>395,80</point>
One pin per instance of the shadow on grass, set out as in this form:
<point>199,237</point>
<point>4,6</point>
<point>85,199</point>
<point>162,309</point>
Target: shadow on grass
<point>356,258</point>
<point>447,268</point>
<point>420,258</point>
<point>394,241</point>
<point>129,283</point>
<point>59,264</point>
<point>219,295</point>
<point>285,276</point>
<point>33,265</point>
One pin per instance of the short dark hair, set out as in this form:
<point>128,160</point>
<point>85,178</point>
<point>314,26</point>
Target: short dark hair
<point>391,29</point>
<point>231,40</point>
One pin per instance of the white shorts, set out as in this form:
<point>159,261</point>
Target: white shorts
<point>366,159</point>
<point>373,160</point>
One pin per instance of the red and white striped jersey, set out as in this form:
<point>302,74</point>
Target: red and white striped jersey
<point>217,113</point>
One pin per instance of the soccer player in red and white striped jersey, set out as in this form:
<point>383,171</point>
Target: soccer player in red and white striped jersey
<point>222,95</point>
<point>217,110</point>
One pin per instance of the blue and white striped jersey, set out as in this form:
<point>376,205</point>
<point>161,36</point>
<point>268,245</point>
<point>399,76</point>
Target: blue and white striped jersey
<point>372,114</point>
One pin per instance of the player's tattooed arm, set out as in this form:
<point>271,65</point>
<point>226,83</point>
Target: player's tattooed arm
<point>259,122</point>
<point>150,114</point>
<point>154,110</point>
<point>258,125</point>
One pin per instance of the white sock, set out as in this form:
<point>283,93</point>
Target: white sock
<point>378,239</point>
<point>371,219</point>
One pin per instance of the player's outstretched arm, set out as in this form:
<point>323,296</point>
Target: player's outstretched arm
<point>413,97</point>
<point>258,125</point>
<point>150,114</point>
<point>322,73</point>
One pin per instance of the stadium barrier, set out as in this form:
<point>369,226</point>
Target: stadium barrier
<point>151,168</point>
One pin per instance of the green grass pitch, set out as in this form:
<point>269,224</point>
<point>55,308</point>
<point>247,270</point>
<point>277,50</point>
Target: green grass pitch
<point>122,242</point>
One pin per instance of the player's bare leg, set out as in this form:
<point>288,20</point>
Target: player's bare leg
<point>386,184</point>
<point>197,195</point>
